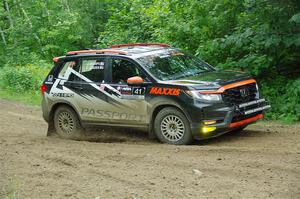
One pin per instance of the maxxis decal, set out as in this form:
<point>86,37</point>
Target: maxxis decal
<point>165,91</point>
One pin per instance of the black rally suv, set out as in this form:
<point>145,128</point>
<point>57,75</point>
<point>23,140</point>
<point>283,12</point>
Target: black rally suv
<point>175,96</point>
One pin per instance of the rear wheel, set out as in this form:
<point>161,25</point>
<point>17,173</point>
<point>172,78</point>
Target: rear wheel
<point>67,124</point>
<point>171,126</point>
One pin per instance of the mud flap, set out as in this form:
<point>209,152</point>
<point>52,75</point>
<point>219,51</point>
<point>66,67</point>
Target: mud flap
<point>151,133</point>
<point>51,129</point>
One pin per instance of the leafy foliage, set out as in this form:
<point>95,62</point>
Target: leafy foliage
<point>258,36</point>
<point>23,78</point>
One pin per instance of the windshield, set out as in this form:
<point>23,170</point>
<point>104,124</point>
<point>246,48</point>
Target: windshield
<point>173,65</point>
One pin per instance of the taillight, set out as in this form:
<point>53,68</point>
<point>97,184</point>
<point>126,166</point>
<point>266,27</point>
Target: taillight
<point>44,88</point>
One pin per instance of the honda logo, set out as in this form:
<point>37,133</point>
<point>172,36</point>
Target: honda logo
<point>244,92</point>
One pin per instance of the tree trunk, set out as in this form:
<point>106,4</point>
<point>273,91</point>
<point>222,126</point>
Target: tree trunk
<point>3,36</point>
<point>67,5</point>
<point>7,10</point>
<point>30,23</point>
<point>47,10</point>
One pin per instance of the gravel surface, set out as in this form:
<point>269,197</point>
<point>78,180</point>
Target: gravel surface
<point>261,162</point>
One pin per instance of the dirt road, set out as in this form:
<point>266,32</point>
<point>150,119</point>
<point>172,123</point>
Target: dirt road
<point>261,162</point>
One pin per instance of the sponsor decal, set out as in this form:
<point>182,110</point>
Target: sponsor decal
<point>48,82</point>
<point>99,66</point>
<point>50,78</point>
<point>111,114</point>
<point>126,91</point>
<point>165,91</point>
<point>62,94</point>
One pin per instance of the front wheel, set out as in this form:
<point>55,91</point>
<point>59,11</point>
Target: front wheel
<point>172,127</point>
<point>67,124</point>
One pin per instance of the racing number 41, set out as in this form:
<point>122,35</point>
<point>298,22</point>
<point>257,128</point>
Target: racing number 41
<point>138,91</point>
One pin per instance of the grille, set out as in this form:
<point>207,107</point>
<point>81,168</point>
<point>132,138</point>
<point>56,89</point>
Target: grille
<point>241,94</point>
<point>237,118</point>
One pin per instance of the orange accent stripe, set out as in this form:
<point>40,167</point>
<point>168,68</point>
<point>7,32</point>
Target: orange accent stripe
<point>246,121</point>
<point>96,51</point>
<point>228,86</point>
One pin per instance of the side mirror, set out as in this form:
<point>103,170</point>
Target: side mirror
<point>135,80</point>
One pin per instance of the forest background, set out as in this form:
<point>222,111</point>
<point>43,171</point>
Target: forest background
<point>261,37</point>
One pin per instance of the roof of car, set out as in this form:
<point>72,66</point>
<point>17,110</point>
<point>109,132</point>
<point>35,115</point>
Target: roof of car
<point>132,50</point>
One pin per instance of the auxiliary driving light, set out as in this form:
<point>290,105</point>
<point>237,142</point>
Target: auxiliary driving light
<point>207,129</point>
<point>207,122</point>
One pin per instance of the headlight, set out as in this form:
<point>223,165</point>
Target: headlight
<point>205,97</point>
<point>257,96</point>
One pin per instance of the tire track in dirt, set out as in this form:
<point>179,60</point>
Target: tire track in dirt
<point>262,162</point>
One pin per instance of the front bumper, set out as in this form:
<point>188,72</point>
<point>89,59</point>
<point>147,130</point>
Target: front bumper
<point>236,116</point>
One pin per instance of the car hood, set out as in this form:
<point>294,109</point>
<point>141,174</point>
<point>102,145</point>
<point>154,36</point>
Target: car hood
<point>211,80</point>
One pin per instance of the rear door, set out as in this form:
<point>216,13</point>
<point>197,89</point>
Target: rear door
<point>132,107</point>
<point>95,102</point>
<point>102,94</point>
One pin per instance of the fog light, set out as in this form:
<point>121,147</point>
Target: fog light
<point>207,122</point>
<point>207,129</point>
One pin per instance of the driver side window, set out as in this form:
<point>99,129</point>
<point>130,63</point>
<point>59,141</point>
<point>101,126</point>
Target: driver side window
<point>123,69</point>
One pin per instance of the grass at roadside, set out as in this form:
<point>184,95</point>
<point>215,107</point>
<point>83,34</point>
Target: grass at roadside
<point>22,83</point>
<point>11,191</point>
<point>10,195</point>
<point>28,97</point>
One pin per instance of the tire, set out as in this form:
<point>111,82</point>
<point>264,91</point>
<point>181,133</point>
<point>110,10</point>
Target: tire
<point>67,124</point>
<point>172,127</point>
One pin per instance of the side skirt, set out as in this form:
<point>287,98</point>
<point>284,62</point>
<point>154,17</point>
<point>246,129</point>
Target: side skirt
<point>87,124</point>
